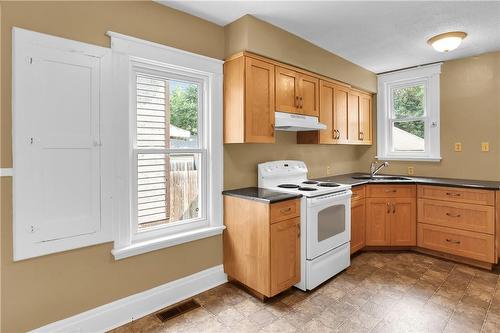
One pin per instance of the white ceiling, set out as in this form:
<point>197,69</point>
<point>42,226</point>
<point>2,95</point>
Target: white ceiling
<point>379,36</point>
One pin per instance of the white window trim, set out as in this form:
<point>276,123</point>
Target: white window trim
<point>428,76</point>
<point>129,53</point>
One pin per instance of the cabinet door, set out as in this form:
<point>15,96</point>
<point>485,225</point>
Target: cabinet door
<point>378,230</point>
<point>327,98</point>
<point>403,218</point>
<point>365,119</point>
<point>259,101</point>
<point>358,225</point>
<point>309,95</point>
<point>340,114</point>
<point>285,255</point>
<point>353,118</point>
<point>287,90</point>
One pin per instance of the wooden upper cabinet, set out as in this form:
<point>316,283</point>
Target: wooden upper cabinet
<point>256,87</point>
<point>296,92</point>
<point>309,95</point>
<point>365,134</point>
<point>249,101</point>
<point>353,117</point>
<point>340,124</point>
<point>287,90</point>
<point>259,101</point>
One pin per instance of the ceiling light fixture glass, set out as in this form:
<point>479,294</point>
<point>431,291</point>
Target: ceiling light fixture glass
<point>448,41</point>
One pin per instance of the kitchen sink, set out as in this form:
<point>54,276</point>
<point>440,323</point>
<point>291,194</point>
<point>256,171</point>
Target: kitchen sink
<point>368,177</point>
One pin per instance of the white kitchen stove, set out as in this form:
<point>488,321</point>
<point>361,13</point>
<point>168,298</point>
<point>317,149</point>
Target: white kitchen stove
<point>325,219</point>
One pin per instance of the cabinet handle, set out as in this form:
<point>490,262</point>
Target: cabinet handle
<point>286,211</point>
<point>298,230</point>
<point>452,241</point>
<point>453,194</point>
<point>301,102</point>
<point>391,191</point>
<point>453,215</point>
<point>394,208</point>
<point>361,136</point>
<point>388,208</point>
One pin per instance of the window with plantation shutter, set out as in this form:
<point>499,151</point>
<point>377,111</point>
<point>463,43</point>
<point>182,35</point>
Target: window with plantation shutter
<point>168,146</point>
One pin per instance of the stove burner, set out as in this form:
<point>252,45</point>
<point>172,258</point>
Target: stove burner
<point>311,182</point>
<point>307,189</point>
<point>328,185</point>
<point>288,186</point>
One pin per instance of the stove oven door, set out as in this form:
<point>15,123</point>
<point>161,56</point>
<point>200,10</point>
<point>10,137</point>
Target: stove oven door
<point>328,222</point>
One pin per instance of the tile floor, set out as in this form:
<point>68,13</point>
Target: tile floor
<point>380,292</point>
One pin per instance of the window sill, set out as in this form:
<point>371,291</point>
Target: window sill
<point>409,159</point>
<point>164,242</point>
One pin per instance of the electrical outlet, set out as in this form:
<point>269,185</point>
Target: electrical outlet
<point>458,146</point>
<point>485,146</point>
<point>328,170</point>
<point>411,171</point>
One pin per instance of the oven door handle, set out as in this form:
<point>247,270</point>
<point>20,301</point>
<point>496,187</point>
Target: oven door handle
<point>330,198</point>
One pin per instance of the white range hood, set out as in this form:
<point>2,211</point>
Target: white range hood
<point>296,122</point>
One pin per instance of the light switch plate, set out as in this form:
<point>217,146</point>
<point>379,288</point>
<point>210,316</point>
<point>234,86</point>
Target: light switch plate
<point>485,146</point>
<point>411,171</point>
<point>458,146</point>
<point>328,170</point>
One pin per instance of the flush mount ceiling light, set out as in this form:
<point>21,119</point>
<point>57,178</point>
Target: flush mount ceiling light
<point>448,41</point>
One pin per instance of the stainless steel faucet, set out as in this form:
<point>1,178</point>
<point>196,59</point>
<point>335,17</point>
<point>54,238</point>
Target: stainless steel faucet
<point>374,168</point>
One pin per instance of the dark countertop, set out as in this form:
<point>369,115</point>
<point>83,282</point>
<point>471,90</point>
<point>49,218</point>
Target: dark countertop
<point>480,184</point>
<point>261,194</point>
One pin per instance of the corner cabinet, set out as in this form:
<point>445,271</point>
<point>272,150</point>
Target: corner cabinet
<point>249,101</point>
<point>391,215</point>
<point>262,244</point>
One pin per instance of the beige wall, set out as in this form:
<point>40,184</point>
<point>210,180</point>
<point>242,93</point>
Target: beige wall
<point>267,40</point>
<point>42,290</point>
<point>240,160</point>
<point>470,114</point>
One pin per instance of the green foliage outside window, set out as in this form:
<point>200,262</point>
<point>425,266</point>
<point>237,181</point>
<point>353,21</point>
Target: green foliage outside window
<point>184,108</point>
<point>409,103</point>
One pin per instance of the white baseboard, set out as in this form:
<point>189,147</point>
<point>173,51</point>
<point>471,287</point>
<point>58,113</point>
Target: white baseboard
<point>122,311</point>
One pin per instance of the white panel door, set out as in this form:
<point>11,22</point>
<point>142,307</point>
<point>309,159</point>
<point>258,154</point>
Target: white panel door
<point>57,147</point>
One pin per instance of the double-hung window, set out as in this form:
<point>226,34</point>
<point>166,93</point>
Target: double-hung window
<point>171,164</point>
<point>408,114</point>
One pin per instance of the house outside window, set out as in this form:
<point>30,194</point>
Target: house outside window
<point>408,114</point>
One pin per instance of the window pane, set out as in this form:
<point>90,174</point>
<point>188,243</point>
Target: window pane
<point>409,102</point>
<point>168,188</point>
<point>408,136</point>
<point>167,113</point>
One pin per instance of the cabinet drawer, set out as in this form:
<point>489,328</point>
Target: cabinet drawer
<point>470,217</point>
<point>285,210</point>
<point>390,191</point>
<point>468,244</point>
<point>464,195</point>
<point>358,193</point>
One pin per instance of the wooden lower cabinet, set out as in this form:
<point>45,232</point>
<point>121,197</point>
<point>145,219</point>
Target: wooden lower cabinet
<point>262,244</point>
<point>358,221</point>
<point>378,232</point>
<point>391,220</point>
<point>473,245</point>
<point>285,255</point>
<point>403,227</point>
